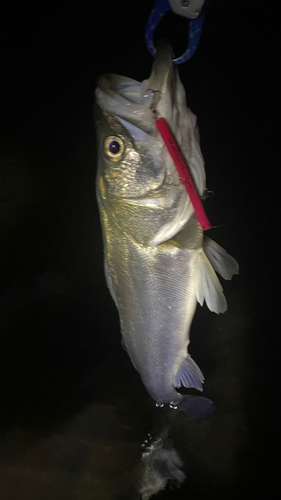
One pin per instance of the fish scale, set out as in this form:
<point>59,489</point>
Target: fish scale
<point>156,262</point>
<point>155,323</point>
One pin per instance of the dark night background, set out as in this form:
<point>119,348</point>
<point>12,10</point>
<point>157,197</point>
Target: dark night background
<point>73,410</point>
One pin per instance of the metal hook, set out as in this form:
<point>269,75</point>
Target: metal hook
<point>207,194</point>
<point>152,105</point>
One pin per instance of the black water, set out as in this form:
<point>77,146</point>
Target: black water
<point>73,410</point>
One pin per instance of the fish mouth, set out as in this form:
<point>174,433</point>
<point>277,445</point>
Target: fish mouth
<point>132,100</point>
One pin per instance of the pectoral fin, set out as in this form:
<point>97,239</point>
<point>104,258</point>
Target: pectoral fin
<point>209,287</point>
<point>221,261</point>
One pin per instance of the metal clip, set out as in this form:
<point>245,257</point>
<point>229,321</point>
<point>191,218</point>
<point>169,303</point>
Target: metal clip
<point>161,7</point>
<point>187,8</point>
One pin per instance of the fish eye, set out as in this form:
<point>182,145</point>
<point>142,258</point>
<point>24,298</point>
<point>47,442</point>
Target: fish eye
<point>113,147</point>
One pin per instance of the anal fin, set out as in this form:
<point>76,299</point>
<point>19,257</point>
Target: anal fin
<point>189,375</point>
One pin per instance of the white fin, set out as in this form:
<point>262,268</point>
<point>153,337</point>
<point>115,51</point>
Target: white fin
<point>189,375</point>
<point>209,287</point>
<point>221,261</point>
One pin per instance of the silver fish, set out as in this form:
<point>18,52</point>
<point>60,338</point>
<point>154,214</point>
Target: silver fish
<point>158,265</point>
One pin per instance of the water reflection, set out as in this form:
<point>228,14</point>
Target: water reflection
<point>162,465</point>
<point>96,455</point>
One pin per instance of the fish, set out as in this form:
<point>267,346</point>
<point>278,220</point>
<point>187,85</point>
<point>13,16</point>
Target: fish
<point>158,263</point>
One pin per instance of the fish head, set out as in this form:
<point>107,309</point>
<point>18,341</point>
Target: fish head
<point>129,158</point>
<point>137,179</point>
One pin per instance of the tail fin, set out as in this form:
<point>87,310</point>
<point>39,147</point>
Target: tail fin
<point>196,407</point>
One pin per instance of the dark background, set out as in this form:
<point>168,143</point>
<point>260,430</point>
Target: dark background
<point>73,410</point>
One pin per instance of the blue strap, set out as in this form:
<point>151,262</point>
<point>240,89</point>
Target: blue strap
<point>195,29</point>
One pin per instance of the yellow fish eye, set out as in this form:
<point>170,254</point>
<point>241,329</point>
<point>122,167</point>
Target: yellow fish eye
<point>113,147</point>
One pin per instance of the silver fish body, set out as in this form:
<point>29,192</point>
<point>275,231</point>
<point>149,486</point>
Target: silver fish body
<point>155,256</point>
